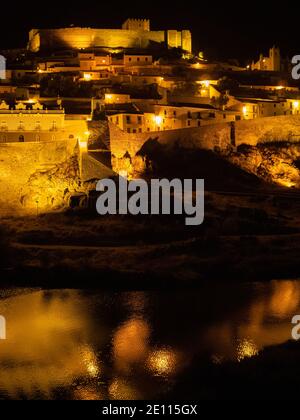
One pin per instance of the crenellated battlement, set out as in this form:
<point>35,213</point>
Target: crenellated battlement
<point>136,24</point>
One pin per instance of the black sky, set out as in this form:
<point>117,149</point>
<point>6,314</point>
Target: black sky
<point>225,29</point>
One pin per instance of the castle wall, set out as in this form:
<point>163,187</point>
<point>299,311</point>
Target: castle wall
<point>251,132</point>
<point>207,137</point>
<point>87,37</point>
<point>77,38</point>
<point>269,129</point>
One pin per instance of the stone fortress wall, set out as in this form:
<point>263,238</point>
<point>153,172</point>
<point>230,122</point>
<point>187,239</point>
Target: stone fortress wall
<point>135,33</point>
<point>250,132</point>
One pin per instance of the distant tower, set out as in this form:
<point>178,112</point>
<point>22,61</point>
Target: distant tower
<point>275,60</point>
<point>137,24</point>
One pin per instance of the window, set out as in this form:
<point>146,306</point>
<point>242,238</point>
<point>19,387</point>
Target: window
<point>129,59</point>
<point>224,116</point>
<point>128,130</point>
<point>146,59</point>
<point>189,123</point>
<point>134,130</point>
<point>21,139</point>
<point>128,119</point>
<point>199,123</point>
<point>165,112</point>
<point>139,120</point>
<point>174,113</point>
<point>138,59</point>
<point>140,130</point>
<point>189,114</point>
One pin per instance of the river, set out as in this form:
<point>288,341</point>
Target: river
<point>92,344</point>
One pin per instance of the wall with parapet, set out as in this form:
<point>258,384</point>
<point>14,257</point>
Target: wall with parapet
<point>206,137</point>
<point>269,129</point>
<point>251,132</point>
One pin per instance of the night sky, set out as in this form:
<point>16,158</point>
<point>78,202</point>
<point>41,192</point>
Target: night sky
<point>229,29</point>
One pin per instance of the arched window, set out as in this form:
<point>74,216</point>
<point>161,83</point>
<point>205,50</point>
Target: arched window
<point>21,139</point>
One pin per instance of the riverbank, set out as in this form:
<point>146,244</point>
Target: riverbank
<point>244,237</point>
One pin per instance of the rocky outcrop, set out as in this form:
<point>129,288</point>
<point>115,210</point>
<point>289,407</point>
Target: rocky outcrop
<point>38,176</point>
<point>276,163</point>
<point>51,189</point>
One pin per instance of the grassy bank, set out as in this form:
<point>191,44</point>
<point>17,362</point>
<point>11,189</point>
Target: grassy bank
<point>244,237</point>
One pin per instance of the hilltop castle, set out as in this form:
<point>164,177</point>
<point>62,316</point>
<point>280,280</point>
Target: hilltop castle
<point>135,33</point>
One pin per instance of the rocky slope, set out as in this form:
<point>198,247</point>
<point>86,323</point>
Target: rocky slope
<point>276,163</point>
<point>38,177</point>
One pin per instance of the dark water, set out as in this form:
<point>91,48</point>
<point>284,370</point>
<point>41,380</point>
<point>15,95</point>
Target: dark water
<point>96,345</point>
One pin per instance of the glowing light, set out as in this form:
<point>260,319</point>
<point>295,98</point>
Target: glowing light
<point>90,360</point>
<point>280,87</point>
<point>87,77</point>
<point>157,119</point>
<point>87,133</point>
<point>162,362</point>
<point>82,144</point>
<point>206,83</point>
<point>296,104</point>
<point>244,110</point>
<point>245,349</point>
<point>284,183</point>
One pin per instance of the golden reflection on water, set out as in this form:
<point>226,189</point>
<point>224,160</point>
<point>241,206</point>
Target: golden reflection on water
<point>122,389</point>
<point>55,341</point>
<point>130,343</point>
<point>163,362</point>
<point>246,348</point>
<point>90,360</point>
<point>41,350</point>
<point>284,298</point>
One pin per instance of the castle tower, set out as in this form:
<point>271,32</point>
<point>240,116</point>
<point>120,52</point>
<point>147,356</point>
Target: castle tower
<point>137,24</point>
<point>275,60</point>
